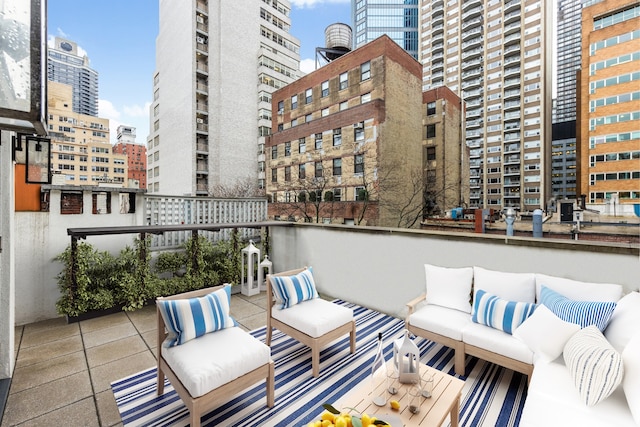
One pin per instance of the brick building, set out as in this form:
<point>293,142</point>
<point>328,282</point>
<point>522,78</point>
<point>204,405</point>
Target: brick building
<point>609,103</point>
<point>346,141</point>
<point>136,156</point>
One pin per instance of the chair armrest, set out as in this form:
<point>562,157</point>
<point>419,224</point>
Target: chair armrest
<point>411,305</point>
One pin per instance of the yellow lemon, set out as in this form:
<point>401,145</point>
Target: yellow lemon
<point>395,405</point>
<point>366,420</point>
<point>326,423</point>
<point>340,421</point>
<point>328,416</point>
<point>318,423</point>
<point>347,418</point>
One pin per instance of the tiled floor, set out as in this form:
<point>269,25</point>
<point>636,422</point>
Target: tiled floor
<point>64,371</point>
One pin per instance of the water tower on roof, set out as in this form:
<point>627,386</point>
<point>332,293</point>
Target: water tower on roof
<point>338,41</point>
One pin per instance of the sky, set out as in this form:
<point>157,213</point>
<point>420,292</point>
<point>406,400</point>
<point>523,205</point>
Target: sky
<point>119,37</point>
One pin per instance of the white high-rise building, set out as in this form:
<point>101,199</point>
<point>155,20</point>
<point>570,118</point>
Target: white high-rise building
<point>496,55</point>
<point>217,63</point>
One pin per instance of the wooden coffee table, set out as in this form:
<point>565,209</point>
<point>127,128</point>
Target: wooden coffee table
<point>444,400</point>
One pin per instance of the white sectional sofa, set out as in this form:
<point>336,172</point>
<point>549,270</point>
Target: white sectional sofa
<point>533,323</point>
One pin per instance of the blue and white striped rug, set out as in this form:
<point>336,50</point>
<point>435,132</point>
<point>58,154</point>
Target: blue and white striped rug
<point>492,396</point>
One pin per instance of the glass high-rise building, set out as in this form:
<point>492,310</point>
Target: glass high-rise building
<point>398,19</point>
<point>65,65</point>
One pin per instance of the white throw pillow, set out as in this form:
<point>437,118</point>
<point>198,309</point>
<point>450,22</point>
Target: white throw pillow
<point>579,291</point>
<point>510,286</point>
<point>624,321</point>
<point>631,380</point>
<point>595,366</point>
<point>449,287</point>
<point>545,334</point>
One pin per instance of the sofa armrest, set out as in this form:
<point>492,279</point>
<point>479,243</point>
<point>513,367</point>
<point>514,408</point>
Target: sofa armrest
<point>411,305</point>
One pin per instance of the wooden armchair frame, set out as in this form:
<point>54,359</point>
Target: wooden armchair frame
<point>315,344</point>
<point>199,406</point>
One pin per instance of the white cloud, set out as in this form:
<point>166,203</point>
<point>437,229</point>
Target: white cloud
<point>307,65</point>
<point>132,115</point>
<point>301,4</point>
<point>137,110</point>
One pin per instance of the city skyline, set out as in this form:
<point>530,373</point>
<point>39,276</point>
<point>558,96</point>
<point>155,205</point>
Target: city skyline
<point>119,42</point>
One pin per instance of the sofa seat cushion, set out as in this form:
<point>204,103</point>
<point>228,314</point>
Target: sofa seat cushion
<point>314,317</point>
<point>553,400</point>
<point>440,320</point>
<point>207,362</point>
<point>496,341</point>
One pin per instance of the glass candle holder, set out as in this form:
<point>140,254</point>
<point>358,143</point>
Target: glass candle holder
<point>427,386</point>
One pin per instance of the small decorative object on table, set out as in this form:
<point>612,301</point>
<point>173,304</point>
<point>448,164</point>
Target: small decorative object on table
<point>344,419</point>
<point>427,386</point>
<point>379,375</point>
<point>406,356</point>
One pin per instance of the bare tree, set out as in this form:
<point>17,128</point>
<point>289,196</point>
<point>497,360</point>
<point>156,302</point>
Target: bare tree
<point>245,187</point>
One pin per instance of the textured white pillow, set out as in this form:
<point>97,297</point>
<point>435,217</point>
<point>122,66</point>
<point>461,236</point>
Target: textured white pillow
<point>595,366</point>
<point>545,333</point>
<point>510,286</point>
<point>631,380</point>
<point>624,321</point>
<point>449,287</point>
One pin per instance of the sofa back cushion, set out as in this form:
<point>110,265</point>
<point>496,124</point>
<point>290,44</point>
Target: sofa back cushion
<point>499,313</point>
<point>624,322</point>
<point>577,290</point>
<point>631,380</point>
<point>509,286</point>
<point>291,290</point>
<point>187,319</point>
<point>449,287</point>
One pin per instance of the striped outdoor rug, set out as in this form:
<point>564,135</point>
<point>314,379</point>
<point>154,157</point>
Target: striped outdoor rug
<point>492,396</point>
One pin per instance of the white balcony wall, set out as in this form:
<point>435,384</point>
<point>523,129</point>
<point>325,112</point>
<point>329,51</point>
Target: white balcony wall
<point>383,269</point>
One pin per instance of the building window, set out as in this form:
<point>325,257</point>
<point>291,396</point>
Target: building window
<point>318,141</point>
<point>337,137</point>
<point>308,96</point>
<point>287,173</point>
<point>71,203</point>
<point>294,123</point>
<point>325,88</point>
<point>358,131</point>
<point>287,149</point>
<point>324,112</point>
<point>365,71</point>
<point>302,174</point>
<point>344,105</point>
<point>344,81</point>
<point>360,194</point>
<point>431,108</point>
<point>337,194</point>
<point>308,118</point>
<point>274,175</point>
<point>358,164</point>
<point>318,166</point>
<point>431,131</point>
<point>431,153</point>
<point>101,203</point>
<point>337,167</point>
<point>365,98</point>
<point>274,152</point>
<point>294,102</point>
<point>280,107</point>
<point>280,127</point>
<point>302,145</point>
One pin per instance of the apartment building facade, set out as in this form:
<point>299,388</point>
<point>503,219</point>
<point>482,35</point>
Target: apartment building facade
<point>66,64</point>
<point>211,110</point>
<point>609,95</point>
<point>80,148</point>
<point>136,156</point>
<point>346,143</point>
<point>496,56</point>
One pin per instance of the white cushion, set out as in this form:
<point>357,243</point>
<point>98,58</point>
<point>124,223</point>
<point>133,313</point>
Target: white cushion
<point>314,317</point>
<point>595,367</point>
<point>552,400</point>
<point>497,342</point>
<point>580,291</point>
<point>631,380</point>
<point>624,321</point>
<point>216,358</point>
<point>545,334</point>
<point>509,286</point>
<point>449,287</point>
<point>440,320</point>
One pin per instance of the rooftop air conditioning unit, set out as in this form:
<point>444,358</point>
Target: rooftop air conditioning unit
<point>200,19</point>
<point>200,39</point>
<point>200,121</point>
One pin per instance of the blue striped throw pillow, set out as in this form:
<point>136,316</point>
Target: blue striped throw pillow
<point>498,313</point>
<point>583,313</point>
<point>291,290</point>
<point>187,319</point>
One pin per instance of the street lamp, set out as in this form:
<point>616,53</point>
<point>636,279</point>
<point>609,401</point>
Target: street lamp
<point>510,218</point>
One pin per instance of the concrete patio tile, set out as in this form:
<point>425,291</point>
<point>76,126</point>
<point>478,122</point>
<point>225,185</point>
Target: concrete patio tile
<point>37,374</point>
<point>40,353</point>
<point>115,350</point>
<point>103,322</point>
<point>150,339</point>
<point>78,414</point>
<point>105,335</point>
<point>102,376</point>
<point>144,319</point>
<point>42,334</point>
<point>241,308</point>
<point>31,403</point>
<point>253,322</point>
<point>107,409</point>
<point>46,324</point>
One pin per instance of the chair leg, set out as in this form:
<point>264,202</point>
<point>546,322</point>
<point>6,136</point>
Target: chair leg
<point>268,337</point>
<point>459,361</point>
<point>353,337</point>
<point>160,380</point>
<point>194,419</point>
<point>315,360</point>
<point>270,386</point>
